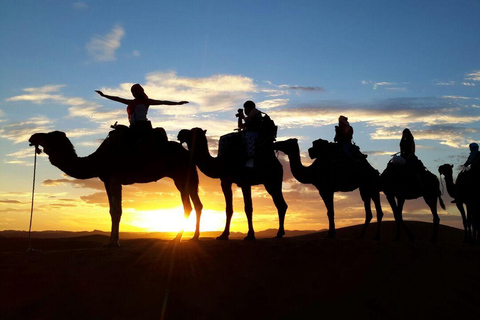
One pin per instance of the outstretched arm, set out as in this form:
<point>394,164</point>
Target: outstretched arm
<point>117,99</point>
<point>153,102</point>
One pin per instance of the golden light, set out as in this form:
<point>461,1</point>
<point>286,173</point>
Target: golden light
<point>173,220</point>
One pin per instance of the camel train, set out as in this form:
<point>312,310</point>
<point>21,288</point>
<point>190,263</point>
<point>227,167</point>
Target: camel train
<point>247,158</point>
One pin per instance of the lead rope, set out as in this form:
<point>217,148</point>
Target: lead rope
<point>30,249</point>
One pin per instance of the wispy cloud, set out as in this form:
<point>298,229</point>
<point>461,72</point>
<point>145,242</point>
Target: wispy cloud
<point>78,107</point>
<point>102,48</point>
<point>445,83</point>
<point>209,94</point>
<point>20,132</point>
<point>300,88</point>
<point>474,76</point>
<point>272,103</point>
<point>80,5</point>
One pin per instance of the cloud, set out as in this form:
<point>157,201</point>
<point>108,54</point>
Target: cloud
<point>80,5</point>
<point>76,183</point>
<point>445,83</point>
<point>40,94</point>
<point>103,48</point>
<point>210,94</point>
<point>445,121</point>
<point>78,107</point>
<point>20,132</point>
<point>468,84</point>
<point>273,103</point>
<point>380,84</point>
<point>300,88</point>
<point>474,76</point>
<point>448,135</point>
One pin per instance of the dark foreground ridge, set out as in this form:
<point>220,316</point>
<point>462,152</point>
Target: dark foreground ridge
<point>292,278</point>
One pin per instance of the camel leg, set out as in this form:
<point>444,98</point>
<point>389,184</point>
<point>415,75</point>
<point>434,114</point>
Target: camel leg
<point>247,200</point>
<point>198,211</point>
<point>466,224</point>
<point>365,195</point>
<point>187,206</point>
<point>400,203</point>
<point>393,204</point>
<point>275,190</point>
<point>432,204</point>
<point>114,193</point>
<point>327,197</point>
<point>227,193</point>
<point>379,211</point>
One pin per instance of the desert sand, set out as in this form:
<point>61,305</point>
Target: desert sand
<point>293,278</point>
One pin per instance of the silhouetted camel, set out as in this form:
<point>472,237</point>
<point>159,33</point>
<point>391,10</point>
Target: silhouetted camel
<point>465,191</point>
<point>329,177</point>
<point>115,165</point>
<point>230,168</point>
<point>401,183</point>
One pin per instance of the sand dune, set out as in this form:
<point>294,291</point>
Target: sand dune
<point>293,278</point>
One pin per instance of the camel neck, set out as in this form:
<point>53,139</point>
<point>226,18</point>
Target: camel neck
<point>76,167</point>
<point>450,185</point>
<point>210,166</point>
<point>299,171</point>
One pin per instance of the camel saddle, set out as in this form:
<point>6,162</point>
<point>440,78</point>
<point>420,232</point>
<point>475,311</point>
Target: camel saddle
<point>138,142</point>
<point>336,152</point>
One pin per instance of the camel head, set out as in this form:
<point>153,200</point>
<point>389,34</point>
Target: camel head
<point>191,136</point>
<point>446,169</point>
<point>51,142</point>
<point>288,146</point>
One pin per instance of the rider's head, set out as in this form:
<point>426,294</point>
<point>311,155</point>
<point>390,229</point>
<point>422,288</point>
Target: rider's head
<point>406,134</point>
<point>248,106</point>
<point>138,92</point>
<point>343,121</point>
<point>473,146</point>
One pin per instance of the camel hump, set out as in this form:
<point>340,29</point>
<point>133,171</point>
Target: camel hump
<point>230,144</point>
<point>319,147</point>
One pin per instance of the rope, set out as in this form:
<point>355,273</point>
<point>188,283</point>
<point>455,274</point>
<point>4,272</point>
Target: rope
<point>33,197</point>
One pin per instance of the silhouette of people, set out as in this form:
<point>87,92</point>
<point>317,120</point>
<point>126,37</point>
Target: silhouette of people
<point>137,108</point>
<point>251,123</point>
<point>407,145</point>
<point>344,135</point>
<point>474,154</point>
<point>407,152</point>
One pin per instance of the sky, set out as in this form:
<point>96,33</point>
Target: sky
<point>386,65</point>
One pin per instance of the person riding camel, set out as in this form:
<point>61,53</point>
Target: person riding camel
<point>407,145</point>
<point>137,108</point>
<point>474,154</point>
<point>344,135</point>
<point>250,122</point>
<point>407,152</point>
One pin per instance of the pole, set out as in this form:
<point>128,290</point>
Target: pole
<point>33,197</point>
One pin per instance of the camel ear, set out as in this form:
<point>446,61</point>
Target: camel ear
<point>451,166</point>
<point>205,131</point>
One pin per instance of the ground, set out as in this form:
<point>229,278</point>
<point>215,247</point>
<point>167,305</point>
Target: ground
<point>293,278</point>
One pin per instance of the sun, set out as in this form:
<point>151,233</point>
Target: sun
<point>173,220</point>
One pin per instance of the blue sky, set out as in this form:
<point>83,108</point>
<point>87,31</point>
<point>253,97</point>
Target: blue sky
<point>386,65</point>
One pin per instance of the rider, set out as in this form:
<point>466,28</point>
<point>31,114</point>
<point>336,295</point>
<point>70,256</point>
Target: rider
<point>474,154</point>
<point>344,135</point>
<point>250,123</point>
<point>407,145</point>
<point>137,108</point>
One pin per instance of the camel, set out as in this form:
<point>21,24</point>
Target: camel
<point>230,168</point>
<point>465,192</point>
<point>116,164</point>
<point>329,176</point>
<point>400,183</point>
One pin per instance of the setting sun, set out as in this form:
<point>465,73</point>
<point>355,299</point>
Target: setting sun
<point>173,220</point>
